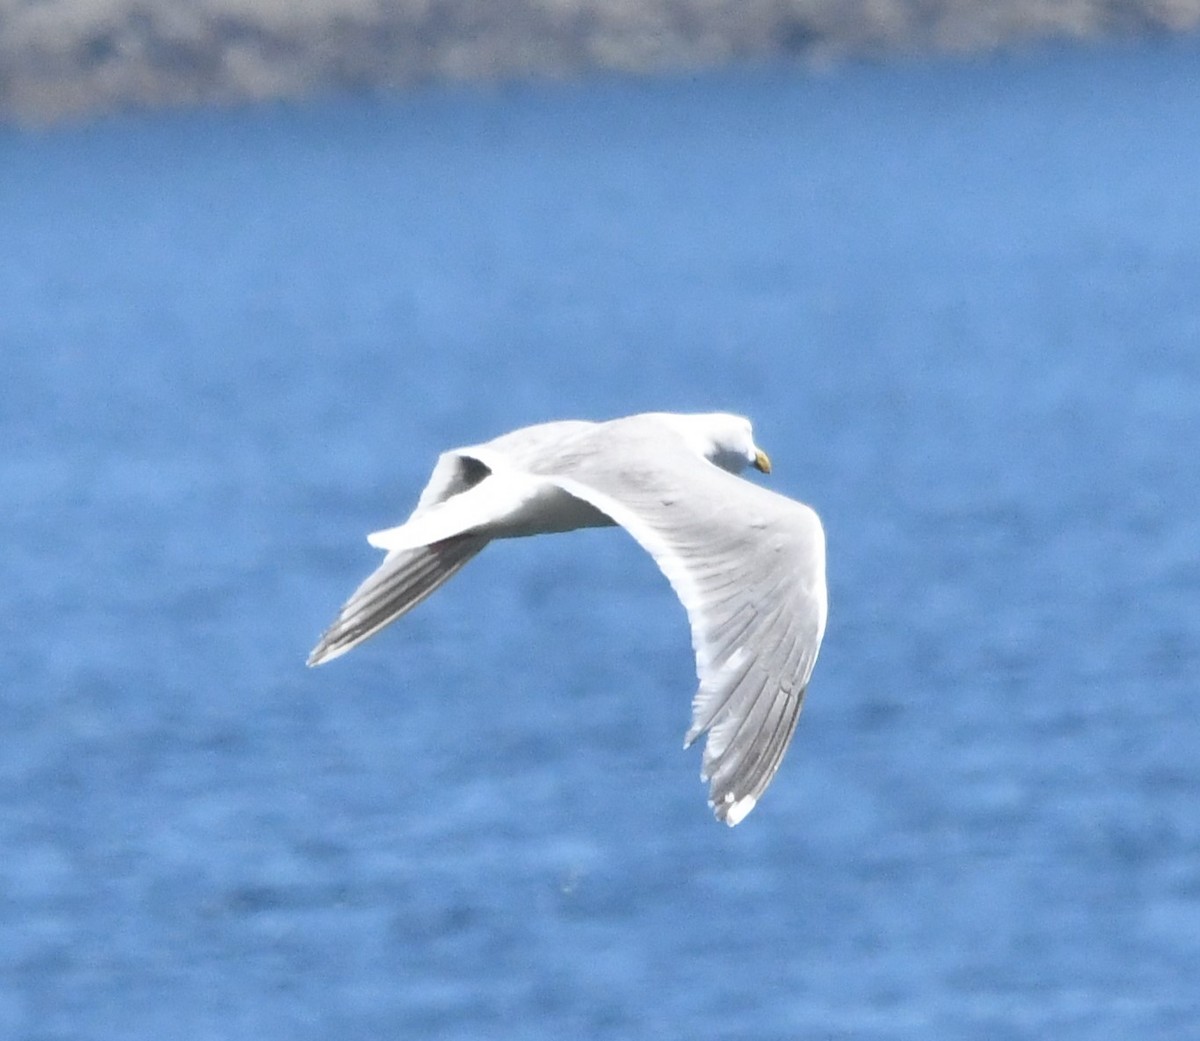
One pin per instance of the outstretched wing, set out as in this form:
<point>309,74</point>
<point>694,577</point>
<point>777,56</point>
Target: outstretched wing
<point>749,568</point>
<point>446,529</point>
<point>407,575</point>
<point>403,580</point>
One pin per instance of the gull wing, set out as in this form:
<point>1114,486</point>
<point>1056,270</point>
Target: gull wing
<point>749,568</point>
<point>403,580</point>
<point>408,574</point>
<point>448,527</point>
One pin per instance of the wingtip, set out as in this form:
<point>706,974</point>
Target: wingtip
<point>324,652</point>
<point>732,810</point>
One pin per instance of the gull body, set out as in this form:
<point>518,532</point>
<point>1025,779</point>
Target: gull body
<point>748,565</point>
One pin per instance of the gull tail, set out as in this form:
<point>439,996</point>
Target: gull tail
<point>403,580</point>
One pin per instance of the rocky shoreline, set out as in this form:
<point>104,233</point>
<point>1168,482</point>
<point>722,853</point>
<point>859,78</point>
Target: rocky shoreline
<point>72,58</point>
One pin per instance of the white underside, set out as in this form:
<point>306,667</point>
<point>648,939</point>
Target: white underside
<point>502,506</point>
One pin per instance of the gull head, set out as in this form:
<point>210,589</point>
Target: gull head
<point>723,439</point>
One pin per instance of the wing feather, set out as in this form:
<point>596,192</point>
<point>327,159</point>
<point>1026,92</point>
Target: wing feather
<point>749,567</point>
<point>403,580</point>
<point>407,574</point>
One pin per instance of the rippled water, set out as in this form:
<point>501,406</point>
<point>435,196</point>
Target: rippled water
<point>959,301</point>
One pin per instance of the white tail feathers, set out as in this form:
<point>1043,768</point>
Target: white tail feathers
<point>476,510</point>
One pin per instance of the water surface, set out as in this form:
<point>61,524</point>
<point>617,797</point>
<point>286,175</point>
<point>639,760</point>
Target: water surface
<point>959,302</point>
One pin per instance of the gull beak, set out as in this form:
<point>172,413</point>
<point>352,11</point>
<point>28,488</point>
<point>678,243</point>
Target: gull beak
<point>761,462</point>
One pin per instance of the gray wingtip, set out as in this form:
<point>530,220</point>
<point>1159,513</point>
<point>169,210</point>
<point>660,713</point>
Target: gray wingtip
<point>332,645</point>
<point>402,581</point>
<point>317,656</point>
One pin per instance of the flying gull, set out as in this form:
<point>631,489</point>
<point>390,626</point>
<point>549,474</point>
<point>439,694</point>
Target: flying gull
<point>747,564</point>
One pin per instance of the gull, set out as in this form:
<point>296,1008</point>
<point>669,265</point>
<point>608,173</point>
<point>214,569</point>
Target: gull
<point>747,564</point>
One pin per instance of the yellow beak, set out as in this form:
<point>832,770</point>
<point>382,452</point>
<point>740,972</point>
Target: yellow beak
<point>761,462</point>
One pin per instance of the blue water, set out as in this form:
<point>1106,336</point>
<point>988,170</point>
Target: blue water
<point>961,303</point>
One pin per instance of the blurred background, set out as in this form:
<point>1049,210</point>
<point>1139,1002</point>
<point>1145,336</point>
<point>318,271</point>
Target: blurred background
<point>261,262</point>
